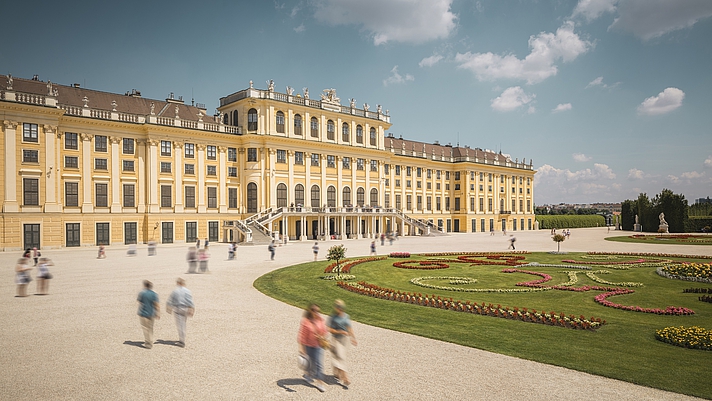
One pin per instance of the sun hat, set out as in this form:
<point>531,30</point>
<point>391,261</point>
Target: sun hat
<point>339,304</point>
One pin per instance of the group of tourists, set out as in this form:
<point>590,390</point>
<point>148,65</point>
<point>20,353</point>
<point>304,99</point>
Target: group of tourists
<point>23,270</point>
<point>180,304</point>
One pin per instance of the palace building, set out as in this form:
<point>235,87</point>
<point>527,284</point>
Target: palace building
<point>83,167</point>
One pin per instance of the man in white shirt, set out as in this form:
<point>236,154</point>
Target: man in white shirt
<point>180,303</point>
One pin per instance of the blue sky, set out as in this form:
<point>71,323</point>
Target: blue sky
<point>609,98</point>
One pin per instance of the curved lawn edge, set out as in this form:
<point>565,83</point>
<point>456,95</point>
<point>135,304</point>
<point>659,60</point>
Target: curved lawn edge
<point>628,239</point>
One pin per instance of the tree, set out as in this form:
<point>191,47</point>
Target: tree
<point>675,208</point>
<point>627,215</point>
<point>337,253</point>
<point>558,238</point>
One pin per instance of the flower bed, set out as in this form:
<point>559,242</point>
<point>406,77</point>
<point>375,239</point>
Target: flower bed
<point>339,277</point>
<point>466,280</point>
<point>473,253</point>
<point>421,265</point>
<point>592,276</point>
<point>697,290</point>
<point>554,319</point>
<point>346,265</point>
<point>701,271</point>
<point>655,255</point>
<point>688,337</point>
<point>670,310</point>
<point>399,254</point>
<point>491,259</point>
<point>535,264</point>
<point>705,298</point>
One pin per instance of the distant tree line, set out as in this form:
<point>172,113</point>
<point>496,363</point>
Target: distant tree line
<point>648,211</point>
<point>545,210</point>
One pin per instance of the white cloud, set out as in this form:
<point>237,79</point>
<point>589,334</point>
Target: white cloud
<point>430,61</point>
<point>411,21</point>
<point>692,175</point>
<point>592,9</point>
<point>648,19</point>
<point>301,28</point>
<point>546,49</point>
<point>599,82</point>
<point>558,185</point>
<point>635,174</point>
<point>511,99</point>
<point>561,107</point>
<point>665,102</point>
<point>580,157</point>
<point>396,78</point>
<point>531,109</point>
<point>708,162</point>
<point>295,10</point>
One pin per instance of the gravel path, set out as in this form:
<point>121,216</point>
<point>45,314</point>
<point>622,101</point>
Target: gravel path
<point>82,342</point>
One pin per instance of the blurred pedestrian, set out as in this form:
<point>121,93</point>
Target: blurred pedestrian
<point>151,247</point>
<point>148,312</point>
<point>22,276</point>
<point>373,248</point>
<point>315,249</point>
<point>102,252</point>
<point>203,257</point>
<point>43,276</point>
<point>27,254</point>
<point>383,239</point>
<point>192,259</point>
<point>36,254</point>
<point>512,240</point>
<point>270,248</point>
<point>197,244</point>
<point>180,303</point>
<point>132,250</point>
<point>207,244</point>
<point>342,333</point>
<point>312,339</point>
<point>232,248</point>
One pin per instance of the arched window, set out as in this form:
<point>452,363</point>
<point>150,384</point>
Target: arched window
<point>281,195</point>
<point>299,195</point>
<point>315,196</point>
<point>373,136</point>
<point>252,198</point>
<point>314,127</point>
<point>345,132</point>
<point>226,118</point>
<point>279,120</point>
<point>234,118</point>
<point>346,195</point>
<point>374,197</point>
<point>252,120</point>
<point>298,125</point>
<point>330,130</point>
<point>359,134</point>
<point>360,195</point>
<point>331,196</point>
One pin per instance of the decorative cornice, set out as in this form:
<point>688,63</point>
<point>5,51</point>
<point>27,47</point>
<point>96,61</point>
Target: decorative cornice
<point>115,140</point>
<point>222,149</point>
<point>10,124</point>
<point>48,129</point>
<point>86,137</point>
<point>177,145</point>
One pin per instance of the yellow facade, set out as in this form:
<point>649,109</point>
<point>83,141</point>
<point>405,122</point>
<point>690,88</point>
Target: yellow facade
<point>83,167</point>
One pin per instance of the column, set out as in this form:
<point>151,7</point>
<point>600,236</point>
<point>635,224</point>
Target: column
<point>262,190</point>
<point>222,187</point>
<point>51,204</point>
<point>178,174</point>
<point>272,190</point>
<point>381,186</point>
<point>200,172</point>
<point>241,168</point>
<point>87,204</point>
<point>367,195</point>
<point>10,204</point>
<point>152,182</point>
<point>339,181</point>
<point>322,191</point>
<point>290,166</point>
<point>302,236</point>
<point>307,180</point>
<point>115,180</point>
<point>141,184</point>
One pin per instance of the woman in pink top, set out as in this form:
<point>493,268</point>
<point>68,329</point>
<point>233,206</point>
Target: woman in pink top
<point>310,329</point>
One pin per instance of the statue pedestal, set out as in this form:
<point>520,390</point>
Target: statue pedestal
<point>663,228</point>
<point>637,228</point>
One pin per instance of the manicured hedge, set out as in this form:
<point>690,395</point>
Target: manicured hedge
<point>695,223</point>
<point>547,222</point>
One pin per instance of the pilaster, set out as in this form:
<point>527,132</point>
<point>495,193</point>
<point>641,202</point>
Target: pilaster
<point>115,181</point>
<point>178,171</point>
<point>222,171</point>
<point>87,201</point>
<point>200,173</point>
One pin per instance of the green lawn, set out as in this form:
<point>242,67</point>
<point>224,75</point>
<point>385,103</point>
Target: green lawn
<point>625,348</point>
<point>698,239</point>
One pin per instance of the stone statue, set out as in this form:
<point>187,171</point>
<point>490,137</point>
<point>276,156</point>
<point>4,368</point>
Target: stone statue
<point>153,109</point>
<point>251,84</point>
<point>55,92</point>
<point>220,117</point>
<point>113,105</point>
<point>270,85</point>
<point>329,95</point>
<point>200,116</point>
<point>352,103</point>
<point>290,90</point>
<point>177,110</point>
<point>636,219</point>
<point>365,106</point>
<point>662,219</point>
<point>85,100</point>
<point>49,88</point>
<point>378,107</point>
<point>306,93</point>
<point>9,82</point>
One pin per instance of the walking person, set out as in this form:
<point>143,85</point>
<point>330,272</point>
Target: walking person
<point>311,339</point>
<point>102,252</point>
<point>207,244</point>
<point>231,251</point>
<point>132,250</point>
<point>315,249</point>
<point>151,247</point>
<point>192,258</point>
<point>148,312</point>
<point>22,276</point>
<point>373,248</point>
<point>180,303</point>
<point>203,257</point>
<point>270,248</point>
<point>512,240</point>
<point>342,333</point>
<point>43,276</point>
<point>36,255</point>
<point>197,244</point>
<point>383,239</point>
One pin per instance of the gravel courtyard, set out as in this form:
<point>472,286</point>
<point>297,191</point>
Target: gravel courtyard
<point>83,341</point>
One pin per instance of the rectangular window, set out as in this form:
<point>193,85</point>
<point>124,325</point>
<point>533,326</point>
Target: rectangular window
<point>129,195</point>
<point>489,204</point>
<point>281,156</point>
<point>30,156</point>
<point>457,204</point>
<point>419,172</point>
<point>212,170</point>
<point>212,197</point>
<point>101,195</point>
<point>529,205</point>
<point>70,141</point>
<point>437,175</point>
<point>103,233</point>
<point>374,165</point>
<point>482,225</point>
<point>408,171</point>
<point>100,164</point>
<point>387,182</point>
<point>447,175</point>
<point>29,132</point>
<point>472,187</point>
<point>166,196</point>
<point>100,143</point>
<point>232,198</point>
<point>473,225</point>
<point>398,170</point>
<point>472,175</point>
<point>232,171</point>
<point>127,165</point>
<point>482,204</point>
<point>129,147</point>
<point>331,161</point>
<point>447,186</point>
<point>346,161</point>
<point>190,196</point>
<point>407,183</point>
<point>212,152</point>
<point>315,159</point>
<point>167,232</point>
<point>190,169</point>
<point>251,154</point>
<point>482,176</point>
<point>457,187</point>
<point>472,204</point>
<point>418,184</point>
<point>430,173</point>
<point>386,169</point>
<point>437,186</point>
<point>387,199</point>
<point>165,148</point>
<point>398,201</point>
<point>409,202</point>
<point>398,182</point>
<point>437,203</point>
<point>429,186</point>
<point>419,202</point>
<point>457,176</point>
<point>447,203</point>
<point>189,150</point>
<point>489,177</point>
<point>231,154</point>
<point>429,202</point>
<point>299,158</point>
<point>73,234</point>
<point>71,162</point>
<point>213,230</point>
<point>71,194</point>
<point>165,167</point>
<point>191,231</point>
<point>359,164</point>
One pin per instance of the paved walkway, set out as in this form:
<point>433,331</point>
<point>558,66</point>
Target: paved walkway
<point>82,341</point>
